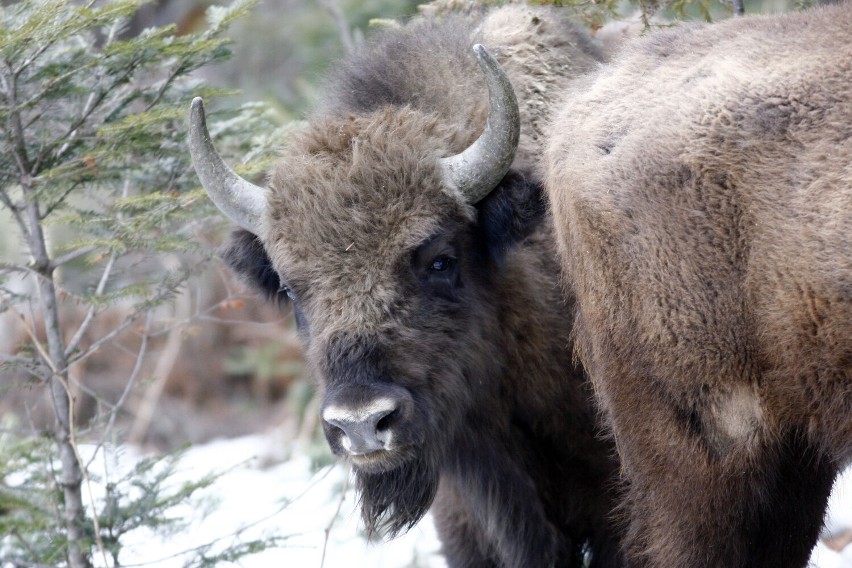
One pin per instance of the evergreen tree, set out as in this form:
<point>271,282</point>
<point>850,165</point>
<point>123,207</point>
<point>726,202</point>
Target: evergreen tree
<point>93,150</point>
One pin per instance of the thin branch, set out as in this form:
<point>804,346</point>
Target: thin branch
<point>343,28</point>
<point>9,267</point>
<point>16,212</point>
<point>48,44</point>
<point>330,524</point>
<point>162,372</point>
<point>253,323</point>
<point>71,135</point>
<point>72,256</point>
<point>14,359</point>
<point>90,315</point>
<point>92,104</point>
<point>203,316</point>
<point>17,563</point>
<point>50,208</point>
<point>25,545</point>
<point>128,387</point>
<point>6,267</point>
<point>95,521</point>
<point>30,332</point>
<point>28,365</point>
<point>318,477</point>
<point>47,87</point>
<point>176,71</point>
<point>129,320</point>
<point>17,130</point>
<point>82,356</point>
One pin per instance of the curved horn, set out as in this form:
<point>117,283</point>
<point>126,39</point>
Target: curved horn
<point>242,202</point>
<point>478,169</point>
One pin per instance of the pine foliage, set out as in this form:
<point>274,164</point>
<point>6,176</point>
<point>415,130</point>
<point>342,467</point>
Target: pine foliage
<point>96,177</point>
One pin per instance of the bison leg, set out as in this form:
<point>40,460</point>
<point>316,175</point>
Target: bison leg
<point>692,503</point>
<point>463,543</point>
<point>489,513</point>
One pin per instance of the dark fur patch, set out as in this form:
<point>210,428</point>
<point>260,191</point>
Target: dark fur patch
<point>385,72</point>
<point>510,213</point>
<point>392,502</point>
<point>792,503</point>
<point>245,255</point>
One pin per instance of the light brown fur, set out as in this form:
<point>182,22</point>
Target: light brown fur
<point>702,184</point>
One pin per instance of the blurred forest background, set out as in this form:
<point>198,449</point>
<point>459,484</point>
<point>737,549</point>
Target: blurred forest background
<point>231,365</point>
<point>201,357</point>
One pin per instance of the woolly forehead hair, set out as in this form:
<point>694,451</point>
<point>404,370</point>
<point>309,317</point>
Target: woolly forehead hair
<point>372,180</point>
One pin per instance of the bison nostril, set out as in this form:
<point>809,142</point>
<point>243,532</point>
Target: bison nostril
<point>386,421</point>
<point>336,428</point>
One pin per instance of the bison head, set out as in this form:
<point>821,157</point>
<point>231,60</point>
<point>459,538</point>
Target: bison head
<point>389,253</point>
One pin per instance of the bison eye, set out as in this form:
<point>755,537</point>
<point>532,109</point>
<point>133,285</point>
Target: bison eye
<point>288,292</point>
<point>442,263</point>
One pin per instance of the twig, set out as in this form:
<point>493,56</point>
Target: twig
<point>73,255</point>
<point>13,358</point>
<point>30,332</point>
<point>18,563</point>
<point>162,372</point>
<point>128,387</point>
<point>342,25</point>
<point>25,545</point>
<point>334,517</point>
<point>90,315</point>
<point>202,316</point>
<point>313,483</point>
<point>22,226</point>
<point>122,326</point>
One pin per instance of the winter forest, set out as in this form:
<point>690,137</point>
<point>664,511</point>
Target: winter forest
<point>155,410</point>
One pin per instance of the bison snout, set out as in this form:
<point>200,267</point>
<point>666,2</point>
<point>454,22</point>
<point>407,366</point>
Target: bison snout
<point>365,429</point>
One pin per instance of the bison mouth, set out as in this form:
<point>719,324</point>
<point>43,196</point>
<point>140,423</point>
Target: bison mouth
<point>375,462</point>
<point>394,500</point>
<point>383,461</point>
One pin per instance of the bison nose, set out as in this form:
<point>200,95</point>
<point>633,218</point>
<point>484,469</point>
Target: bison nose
<point>362,430</point>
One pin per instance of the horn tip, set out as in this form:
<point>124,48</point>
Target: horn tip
<point>197,116</point>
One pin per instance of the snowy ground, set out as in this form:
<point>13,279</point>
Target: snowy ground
<point>282,500</point>
<point>289,500</point>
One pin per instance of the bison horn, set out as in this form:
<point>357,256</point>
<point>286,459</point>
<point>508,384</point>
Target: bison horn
<point>242,202</point>
<point>478,169</point>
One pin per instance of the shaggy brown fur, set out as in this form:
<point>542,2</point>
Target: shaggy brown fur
<point>703,189</point>
<point>405,292</point>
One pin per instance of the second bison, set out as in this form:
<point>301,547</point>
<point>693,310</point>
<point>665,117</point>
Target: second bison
<point>702,190</point>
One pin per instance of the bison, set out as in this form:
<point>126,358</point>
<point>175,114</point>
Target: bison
<point>406,225</point>
<point>701,190</point>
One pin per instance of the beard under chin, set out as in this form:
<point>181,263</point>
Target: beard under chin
<point>392,502</point>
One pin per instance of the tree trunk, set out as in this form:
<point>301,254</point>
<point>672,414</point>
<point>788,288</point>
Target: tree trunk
<point>71,479</point>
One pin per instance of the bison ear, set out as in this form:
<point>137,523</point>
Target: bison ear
<point>511,212</point>
<point>245,255</point>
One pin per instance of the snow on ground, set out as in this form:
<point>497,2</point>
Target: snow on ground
<point>284,500</point>
<point>838,520</point>
<point>288,500</point>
